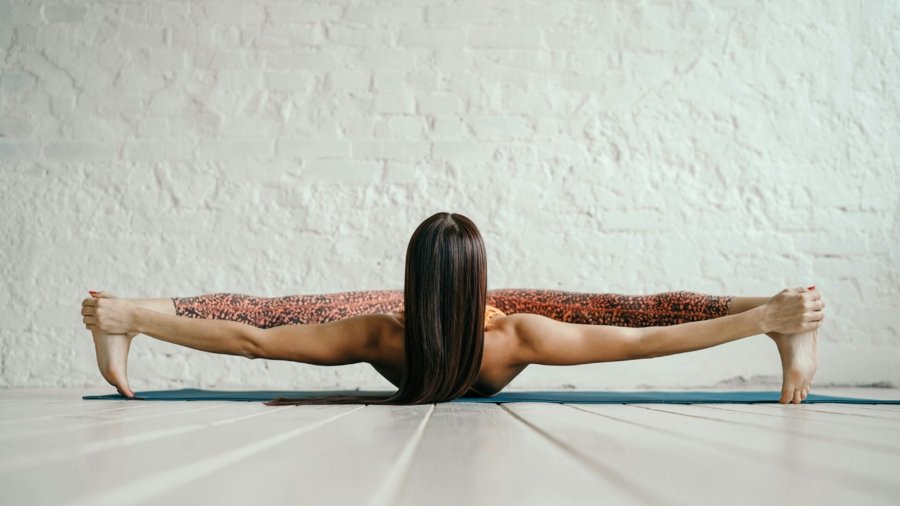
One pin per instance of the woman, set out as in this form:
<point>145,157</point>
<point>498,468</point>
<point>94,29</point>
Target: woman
<point>445,335</point>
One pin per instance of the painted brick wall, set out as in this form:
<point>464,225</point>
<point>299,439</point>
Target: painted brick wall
<point>158,148</point>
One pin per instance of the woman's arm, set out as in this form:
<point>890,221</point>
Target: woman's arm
<point>215,336</point>
<point>549,342</point>
<point>346,341</point>
<point>340,342</point>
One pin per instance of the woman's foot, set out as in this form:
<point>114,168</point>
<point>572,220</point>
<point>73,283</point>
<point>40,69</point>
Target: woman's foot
<point>112,359</point>
<point>799,359</point>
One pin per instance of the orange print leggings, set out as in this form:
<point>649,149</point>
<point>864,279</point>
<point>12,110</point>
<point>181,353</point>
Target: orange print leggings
<point>666,308</point>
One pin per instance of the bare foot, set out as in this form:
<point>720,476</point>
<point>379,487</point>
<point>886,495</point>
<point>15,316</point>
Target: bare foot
<point>799,359</point>
<point>112,359</point>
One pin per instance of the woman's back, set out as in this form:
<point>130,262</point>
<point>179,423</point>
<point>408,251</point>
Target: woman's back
<point>496,371</point>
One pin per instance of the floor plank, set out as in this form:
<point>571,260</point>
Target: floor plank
<point>282,426</point>
<point>846,409</point>
<point>890,408</point>
<point>66,445</point>
<point>344,462</point>
<point>481,454</point>
<point>69,431</point>
<point>113,470</point>
<point>659,465</point>
<point>864,427</point>
<point>801,424</point>
<point>28,412</point>
<point>72,422</point>
<point>781,444</point>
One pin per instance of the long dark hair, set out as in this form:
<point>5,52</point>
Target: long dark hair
<point>444,295</point>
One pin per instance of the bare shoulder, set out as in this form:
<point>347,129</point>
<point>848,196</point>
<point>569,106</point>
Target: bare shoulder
<point>386,345</point>
<point>528,327</point>
<point>523,318</point>
<point>523,326</point>
<point>508,339</point>
<point>505,352</point>
<point>530,335</point>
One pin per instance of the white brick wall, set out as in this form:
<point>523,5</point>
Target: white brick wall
<point>158,148</point>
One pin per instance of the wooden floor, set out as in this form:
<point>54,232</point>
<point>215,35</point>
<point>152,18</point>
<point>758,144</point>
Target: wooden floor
<point>58,449</point>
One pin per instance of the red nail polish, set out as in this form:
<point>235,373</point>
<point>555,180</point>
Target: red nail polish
<point>813,287</point>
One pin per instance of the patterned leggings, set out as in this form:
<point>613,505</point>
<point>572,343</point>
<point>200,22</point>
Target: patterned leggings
<point>666,308</point>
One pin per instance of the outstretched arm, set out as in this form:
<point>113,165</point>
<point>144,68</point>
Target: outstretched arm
<point>346,341</point>
<point>546,341</point>
<point>214,336</point>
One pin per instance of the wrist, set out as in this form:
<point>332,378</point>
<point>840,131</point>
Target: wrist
<point>757,317</point>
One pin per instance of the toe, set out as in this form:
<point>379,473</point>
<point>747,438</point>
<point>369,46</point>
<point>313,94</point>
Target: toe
<point>796,399</point>
<point>804,393</point>
<point>126,390</point>
<point>786,394</point>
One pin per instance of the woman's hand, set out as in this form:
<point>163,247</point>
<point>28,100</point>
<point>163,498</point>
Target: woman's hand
<point>792,311</point>
<point>109,315</point>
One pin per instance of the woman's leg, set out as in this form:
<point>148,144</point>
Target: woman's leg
<point>741,304</point>
<point>266,312</point>
<point>665,308</point>
<point>159,305</point>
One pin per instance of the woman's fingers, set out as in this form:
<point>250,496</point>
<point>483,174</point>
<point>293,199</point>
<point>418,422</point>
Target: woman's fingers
<point>815,305</point>
<point>88,308</point>
<point>813,316</point>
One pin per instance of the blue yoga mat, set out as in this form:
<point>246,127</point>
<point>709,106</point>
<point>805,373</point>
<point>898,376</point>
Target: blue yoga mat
<point>574,396</point>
